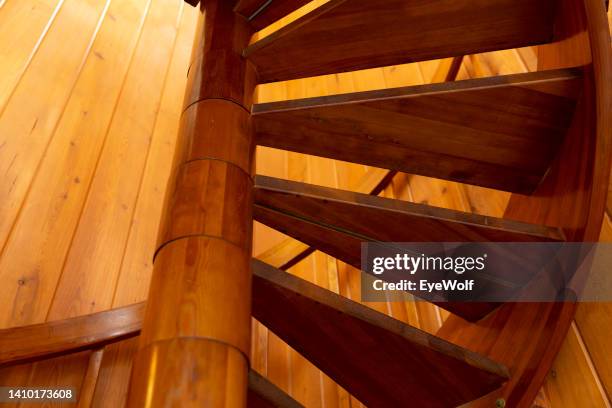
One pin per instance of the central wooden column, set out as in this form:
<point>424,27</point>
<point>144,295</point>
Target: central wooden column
<point>196,336</point>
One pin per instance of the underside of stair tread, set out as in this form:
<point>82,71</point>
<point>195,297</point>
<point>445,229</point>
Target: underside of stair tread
<point>263,394</point>
<point>385,219</point>
<point>346,35</point>
<point>337,222</point>
<point>262,13</point>
<point>380,360</point>
<point>387,364</point>
<point>499,132</point>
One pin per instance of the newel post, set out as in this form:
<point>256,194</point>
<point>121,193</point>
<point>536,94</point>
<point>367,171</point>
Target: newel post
<point>195,342</point>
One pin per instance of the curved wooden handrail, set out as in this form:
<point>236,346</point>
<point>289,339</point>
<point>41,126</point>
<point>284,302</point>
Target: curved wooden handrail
<point>56,338</point>
<point>88,332</point>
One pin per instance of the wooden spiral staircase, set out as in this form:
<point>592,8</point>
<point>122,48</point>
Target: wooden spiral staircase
<point>544,136</point>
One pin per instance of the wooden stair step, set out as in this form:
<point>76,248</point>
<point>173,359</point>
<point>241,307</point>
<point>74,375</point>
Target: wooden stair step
<point>379,219</point>
<point>388,362</point>
<point>379,360</point>
<point>262,13</point>
<point>347,35</point>
<point>337,222</point>
<point>500,132</point>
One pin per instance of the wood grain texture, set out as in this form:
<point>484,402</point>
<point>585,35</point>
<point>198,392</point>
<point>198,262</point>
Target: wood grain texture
<point>345,35</point>
<point>593,320</point>
<point>263,394</point>
<point>195,342</point>
<point>559,382</point>
<point>362,215</point>
<point>67,371</point>
<point>68,336</point>
<point>137,261</point>
<point>217,49</point>
<point>88,387</point>
<point>27,126</point>
<point>112,329</point>
<point>288,252</point>
<point>113,380</point>
<point>436,130</point>
<point>106,195</point>
<point>337,222</point>
<point>318,324</point>
<point>572,197</point>
<point>519,334</point>
<point>19,40</point>
<point>262,13</point>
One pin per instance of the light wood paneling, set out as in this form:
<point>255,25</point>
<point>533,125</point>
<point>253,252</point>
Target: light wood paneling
<point>105,220</point>
<point>24,26</point>
<point>137,262</point>
<point>26,127</point>
<point>50,214</point>
<point>38,68</point>
<point>561,382</point>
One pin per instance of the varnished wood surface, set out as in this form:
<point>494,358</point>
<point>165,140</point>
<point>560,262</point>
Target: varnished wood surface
<point>262,13</point>
<point>263,394</point>
<point>68,336</point>
<point>337,222</point>
<point>381,361</point>
<point>519,334</point>
<point>384,219</point>
<point>572,197</point>
<point>286,254</point>
<point>121,242</point>
<point>345,35</point>
<point>273,288</point>
<point>217,69</point>
<point>88,388</point>
<point>195,342</point>
<point>436,130</point>
<point>94,332</point>
<point>202,371</point>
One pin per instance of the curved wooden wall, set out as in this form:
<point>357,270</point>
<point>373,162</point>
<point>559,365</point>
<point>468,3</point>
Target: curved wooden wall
<point>87,134</point>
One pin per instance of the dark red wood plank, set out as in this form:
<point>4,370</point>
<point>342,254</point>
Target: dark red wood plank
<point>380,360</point>
<point>337,222</point>
<point>499,132</point>
<point>346,35</point>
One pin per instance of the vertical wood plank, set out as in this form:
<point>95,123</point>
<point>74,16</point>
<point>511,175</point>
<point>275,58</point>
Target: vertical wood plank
<point>100,237</point>
<point>23,26</point>
<point>26,126</point>
<point>137,262</point>
<point>51,212</point>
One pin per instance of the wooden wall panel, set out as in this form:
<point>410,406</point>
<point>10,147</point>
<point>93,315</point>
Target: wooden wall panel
<point>67,372</point>
<point>26,126</point>
<point>136,265</point>
<point>123,77</point>
<point>100,237</point>
<point>594,323</point>
<point>48,217</point>
<point>24,26</point>
<point>572,381</point>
